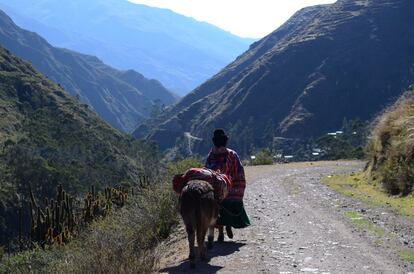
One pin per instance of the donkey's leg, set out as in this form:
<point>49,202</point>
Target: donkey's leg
<point>210,237</point>
<point>191,238</point>
<point>201,235</point>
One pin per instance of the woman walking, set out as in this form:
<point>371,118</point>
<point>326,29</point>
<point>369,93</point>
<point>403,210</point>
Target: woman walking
<point>224,160</point>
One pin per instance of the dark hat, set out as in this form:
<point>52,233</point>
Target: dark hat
<point>219,138</point>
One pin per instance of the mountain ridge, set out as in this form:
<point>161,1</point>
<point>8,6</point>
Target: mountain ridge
<point>177,50</point>
<point>315,71</point>
<point>123,98</point>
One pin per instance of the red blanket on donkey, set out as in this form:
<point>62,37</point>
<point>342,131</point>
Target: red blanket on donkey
<point>220,182</point>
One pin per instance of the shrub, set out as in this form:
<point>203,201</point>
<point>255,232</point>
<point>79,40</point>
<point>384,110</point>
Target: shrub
<point>121,243</point>
<point>263,158</point>
<point>181,166</point>
<point>391,146</point>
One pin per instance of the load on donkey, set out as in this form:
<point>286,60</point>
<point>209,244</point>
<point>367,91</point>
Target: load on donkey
<point>210,194</point>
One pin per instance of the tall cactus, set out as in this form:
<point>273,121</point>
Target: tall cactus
<point>63,216</point>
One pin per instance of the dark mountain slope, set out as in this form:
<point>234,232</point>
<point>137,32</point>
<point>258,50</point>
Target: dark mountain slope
<point>327,63</point>
<point>177,50</point>
<point>47,137</point>
<point>121,98</point>
<point>256,51</point>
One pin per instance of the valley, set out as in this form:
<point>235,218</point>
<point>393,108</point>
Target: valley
<point>105,104</point>
<point>177,50</point>
<point>122,98</point>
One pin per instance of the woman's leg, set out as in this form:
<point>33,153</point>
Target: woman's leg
<point>229,232</point>
<point>221,234</point>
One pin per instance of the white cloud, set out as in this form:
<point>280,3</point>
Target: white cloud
<point>246,18</point>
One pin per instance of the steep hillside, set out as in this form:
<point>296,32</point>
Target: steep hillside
<point>122,98</point>
<point>47,137</point>
<point>345,60</point>
<point>391,146</point>
<point>177,50</point>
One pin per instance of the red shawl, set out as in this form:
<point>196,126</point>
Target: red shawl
<point>229,163</point>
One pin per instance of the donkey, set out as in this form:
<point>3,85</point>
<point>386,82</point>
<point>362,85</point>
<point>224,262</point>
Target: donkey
<point>199,211</point>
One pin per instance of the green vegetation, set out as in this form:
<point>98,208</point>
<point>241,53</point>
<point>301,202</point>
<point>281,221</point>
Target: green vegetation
<point>365,224</point>
<point>389,176</point>
<point>353,215</point>
<point>264,157</point>
<point>47,138</point>
<point>361,187</point>
<point>181,166</point>
<point>349,144</point>
<point>122,243</point>
<point>407,255</point>
<point>391,147</point>
<point>1,252</point>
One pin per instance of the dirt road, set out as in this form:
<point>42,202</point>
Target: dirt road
<point>301,226</point>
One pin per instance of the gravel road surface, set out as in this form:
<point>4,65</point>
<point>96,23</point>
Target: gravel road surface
<point>300,225</point>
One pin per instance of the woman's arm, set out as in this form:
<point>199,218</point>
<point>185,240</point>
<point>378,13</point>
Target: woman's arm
<point>208,161</point>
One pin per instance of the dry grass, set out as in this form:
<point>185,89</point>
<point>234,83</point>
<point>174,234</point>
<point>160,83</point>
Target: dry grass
<point>122,243</point>
<point>391,147</point>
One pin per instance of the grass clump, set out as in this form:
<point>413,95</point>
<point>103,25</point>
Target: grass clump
<point>391,147</point>
<point>362,187</point>
<point>364,224</point>
<point>407,255</point>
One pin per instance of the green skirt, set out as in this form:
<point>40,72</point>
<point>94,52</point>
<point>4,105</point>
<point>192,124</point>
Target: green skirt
<point>232,213</point>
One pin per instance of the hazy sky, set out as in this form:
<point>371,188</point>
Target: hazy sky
<point>246,18</point>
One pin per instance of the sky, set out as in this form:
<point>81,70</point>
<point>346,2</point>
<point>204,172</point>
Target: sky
<point>245,18</point>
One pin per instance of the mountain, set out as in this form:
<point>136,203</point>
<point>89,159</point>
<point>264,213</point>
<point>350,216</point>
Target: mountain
<point>122,98</point>
<point>345,60</point>
<point>47,137</point>
<point>177,50</point>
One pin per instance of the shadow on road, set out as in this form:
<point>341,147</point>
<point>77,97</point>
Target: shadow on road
<point>219,249</point>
